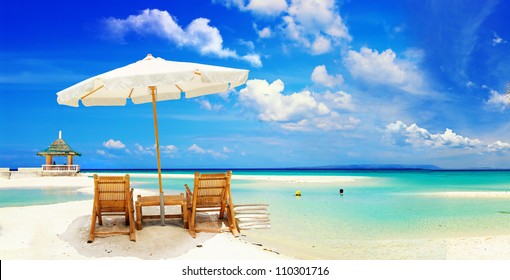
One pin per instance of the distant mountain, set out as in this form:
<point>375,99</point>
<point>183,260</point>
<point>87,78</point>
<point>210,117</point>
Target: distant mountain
<point>380,167</point>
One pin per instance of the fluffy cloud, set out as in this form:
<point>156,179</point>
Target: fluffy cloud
<point>114,144</point>
<point>198,34</point>
<point>258,7</point>
<point>105,154</point>
<point>267,8</point>
<point>319,16</point>
<point>498,146</point>
<point>313,24</point>
<point>401,134</point>
<point>338,100</point>
<point>168,150</point>
<point>139,149</point>
<point>385,68</point>
<point>205,104</point>
<point>265,32</point>
<point>320,76</point>
<point>199,150</point>
<point>497,40</point>
<point>498,101</point>
<point>298,111</point>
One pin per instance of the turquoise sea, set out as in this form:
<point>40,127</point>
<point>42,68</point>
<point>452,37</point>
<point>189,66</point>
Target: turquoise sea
<point>380,205</point>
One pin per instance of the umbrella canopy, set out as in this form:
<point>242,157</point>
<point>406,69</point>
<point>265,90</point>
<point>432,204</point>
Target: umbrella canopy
<point>171,78</point>
<point>151,80</point>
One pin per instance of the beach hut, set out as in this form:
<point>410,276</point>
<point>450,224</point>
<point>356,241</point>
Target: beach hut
<point>59,148</point>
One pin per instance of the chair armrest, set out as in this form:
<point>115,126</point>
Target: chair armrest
<point>189,195</point>
<point>188,191</point>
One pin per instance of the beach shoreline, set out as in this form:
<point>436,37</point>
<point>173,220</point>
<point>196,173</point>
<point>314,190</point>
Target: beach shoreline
<point>59,231</point>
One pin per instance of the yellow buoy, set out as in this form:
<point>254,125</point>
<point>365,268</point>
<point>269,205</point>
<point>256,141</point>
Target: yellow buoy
<point>298,193</point>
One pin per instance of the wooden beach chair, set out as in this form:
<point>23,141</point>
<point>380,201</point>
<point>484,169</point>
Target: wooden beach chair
<point>112,197</point>
<point>211,193</point>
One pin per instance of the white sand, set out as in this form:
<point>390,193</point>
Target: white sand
<point>273,178</point>
<point>468,194</point>
<point>45,182</point>
<point>59,232</point>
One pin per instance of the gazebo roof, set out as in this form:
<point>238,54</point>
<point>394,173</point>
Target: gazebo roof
<point>59,148</point>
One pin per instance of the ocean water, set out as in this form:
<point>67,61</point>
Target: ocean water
<point>15,197</point>
<point>382,205</point>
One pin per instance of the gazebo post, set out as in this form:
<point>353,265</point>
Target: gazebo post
<point>49,159</point>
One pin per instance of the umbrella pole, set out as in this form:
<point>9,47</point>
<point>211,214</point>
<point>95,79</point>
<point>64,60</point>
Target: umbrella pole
<point>161,195</point>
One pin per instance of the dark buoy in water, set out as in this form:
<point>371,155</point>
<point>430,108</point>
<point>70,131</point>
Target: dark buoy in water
<point>298,193</point>
<point>341,191</point>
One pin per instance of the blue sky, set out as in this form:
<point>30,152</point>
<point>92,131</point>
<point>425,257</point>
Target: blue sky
<point>331,82</point>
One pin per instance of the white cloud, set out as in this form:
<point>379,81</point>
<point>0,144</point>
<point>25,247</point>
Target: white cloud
<point>199,35</point>
<point>497,40</point>
<point>141,150</point>
<point>205,104</point>
<point>401,134</point>
<point>301,111</point>
<point>331,122</point>
<point>499,146</point>
<point>315,25</point>
<point>267,8</point>
<point>498,101</point>
<point>199,150</point>
<point>321,45</point>
<point>320,76</point>
<point>319,17</point>
<point>295,32</point>
<point>339,100</point>
<point>253,59</point>
<point>265,32</point>
<point>385,68</point>
<point>104,153</point>
<point>257,7</point>
<point>470,84</point>
<point>273,105</point>
<point>114,144</point>
<point>168,150</point>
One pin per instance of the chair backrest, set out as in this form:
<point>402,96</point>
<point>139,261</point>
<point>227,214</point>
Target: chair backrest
<point>112,192</point>
<point>211,190</point>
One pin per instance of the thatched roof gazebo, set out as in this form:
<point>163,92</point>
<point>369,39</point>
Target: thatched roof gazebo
<point>59,148</point>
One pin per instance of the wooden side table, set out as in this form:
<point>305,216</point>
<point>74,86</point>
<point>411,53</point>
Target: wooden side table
<point>154,201</point>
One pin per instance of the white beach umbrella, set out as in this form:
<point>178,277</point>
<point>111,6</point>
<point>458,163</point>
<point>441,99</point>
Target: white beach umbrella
<point>150,80</point>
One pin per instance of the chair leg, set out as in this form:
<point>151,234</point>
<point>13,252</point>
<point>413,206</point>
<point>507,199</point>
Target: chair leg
<point>185,215</point>
<point>132,231</point>
<point>222,211</point>
<point>232,221</point>
<point>138,216</point>
<point>92,226</point>
<point>191,224</point>
<point>99,217</point>
<point>130,217</point>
